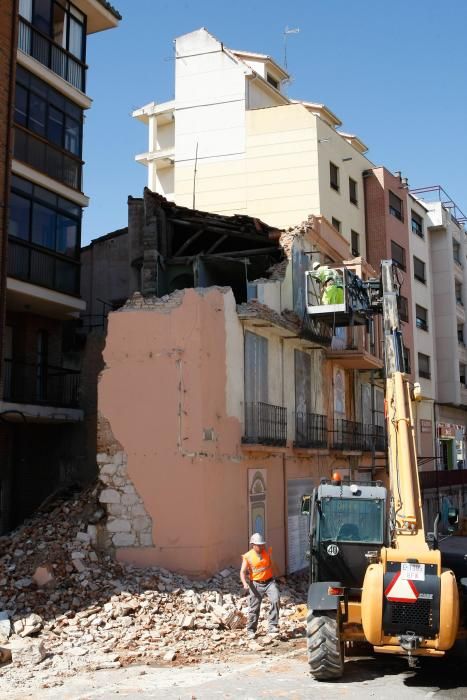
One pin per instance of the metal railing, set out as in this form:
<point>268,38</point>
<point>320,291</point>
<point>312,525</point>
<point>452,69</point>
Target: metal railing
<point>347,435</point>
<point>51,55</point>
<point>48,159</point>
<point>27,263</point>
<point>265,424</point>
<point>40,384</point>
<point>311,430</point>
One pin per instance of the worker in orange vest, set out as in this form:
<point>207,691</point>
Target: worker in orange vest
<point>257,576</point>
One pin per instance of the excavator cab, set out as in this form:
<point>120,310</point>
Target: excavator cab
<point>348,521</point>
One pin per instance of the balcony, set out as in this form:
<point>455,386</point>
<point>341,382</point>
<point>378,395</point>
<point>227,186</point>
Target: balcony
<point>265,424</point>
<point>43,49</point>
<point>349,436</point>
<point>48,159</point>
<point>311,430</point>
<point>32,264</point>
<point>40,384</point>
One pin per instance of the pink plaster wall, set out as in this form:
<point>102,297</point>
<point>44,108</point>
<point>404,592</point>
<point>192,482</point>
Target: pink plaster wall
<point>164,382</point>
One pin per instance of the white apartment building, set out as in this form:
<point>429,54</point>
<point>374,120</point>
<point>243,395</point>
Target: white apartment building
<point>424,361</point>
<point>446,239</point>
<point>232,142</point>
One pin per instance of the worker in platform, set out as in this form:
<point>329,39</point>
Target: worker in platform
<point>257,576</point>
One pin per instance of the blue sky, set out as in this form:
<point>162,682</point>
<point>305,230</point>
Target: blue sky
<point>393,72</point>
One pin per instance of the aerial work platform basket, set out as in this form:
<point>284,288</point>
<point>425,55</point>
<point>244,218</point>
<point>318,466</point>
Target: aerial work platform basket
<point>336,296</point>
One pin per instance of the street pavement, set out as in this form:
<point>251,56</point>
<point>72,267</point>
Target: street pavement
<point>250,678</point>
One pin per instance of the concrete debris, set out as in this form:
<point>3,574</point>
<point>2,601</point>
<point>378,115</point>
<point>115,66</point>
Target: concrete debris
<point>43,576</point>
<point>5,655</point>
<point>29,625</point>
<point>5,626</point>
<point>88,611</point>
<point>27,652</point>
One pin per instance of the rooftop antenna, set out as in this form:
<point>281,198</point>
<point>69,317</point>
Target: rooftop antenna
<point>287,32</point>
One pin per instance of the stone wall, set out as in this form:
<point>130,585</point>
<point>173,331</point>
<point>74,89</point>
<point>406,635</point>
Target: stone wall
<point>128,524</point>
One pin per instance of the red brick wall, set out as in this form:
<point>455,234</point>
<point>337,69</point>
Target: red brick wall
<point>382,228</point>
<point>8,21</point>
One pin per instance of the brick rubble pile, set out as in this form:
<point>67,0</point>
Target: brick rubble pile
<point>65,606</point>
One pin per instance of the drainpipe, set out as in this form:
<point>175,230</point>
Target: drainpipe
<point>6,159</point>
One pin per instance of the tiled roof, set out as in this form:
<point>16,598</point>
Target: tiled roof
<point>110,8</point>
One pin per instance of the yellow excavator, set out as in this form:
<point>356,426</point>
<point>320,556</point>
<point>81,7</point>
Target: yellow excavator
<point>376,576</point>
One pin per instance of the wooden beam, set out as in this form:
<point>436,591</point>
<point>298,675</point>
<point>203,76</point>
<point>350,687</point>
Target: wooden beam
<point>186,244</point>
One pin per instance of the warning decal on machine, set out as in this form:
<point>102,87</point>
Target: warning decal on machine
<point>401,590</point>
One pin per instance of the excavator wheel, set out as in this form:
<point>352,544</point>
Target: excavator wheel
<point>324,646</point>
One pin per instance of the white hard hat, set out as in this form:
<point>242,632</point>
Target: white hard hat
<point>257,539</point>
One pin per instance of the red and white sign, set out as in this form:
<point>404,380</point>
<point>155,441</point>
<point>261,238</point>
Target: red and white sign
<point>401,590</point>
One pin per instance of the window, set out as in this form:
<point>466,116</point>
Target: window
<point>456,252</point>
<point>272,81</point>
<point>256,368</point>
<point>421,317</point>
<point>398,255</point>
<point>353,191</point>
<point>458,292</point>
<point>419,269</point>
<point>334,176</point>
<point>395,206</point>
<point>336,223</point>
<point>460,334</point>
<point>355,243</point>
<point>351,520</point>
<point>462,374</point>
<point>60,21</point>
<point>48,113</point>
<point>417,223</point>
<point>406,358</point>
<point>403,306</point>
<point>424,366</point>
<point>43,218</point>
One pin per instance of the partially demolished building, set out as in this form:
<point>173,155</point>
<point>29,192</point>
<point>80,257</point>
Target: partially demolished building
<point>221,402</point>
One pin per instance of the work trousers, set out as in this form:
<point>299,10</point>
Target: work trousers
<point>257,592</point>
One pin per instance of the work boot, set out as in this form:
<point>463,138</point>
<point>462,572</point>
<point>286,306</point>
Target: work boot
<point>251,634</point>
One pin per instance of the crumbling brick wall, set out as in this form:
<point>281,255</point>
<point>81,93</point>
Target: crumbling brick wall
<point>128,524</point>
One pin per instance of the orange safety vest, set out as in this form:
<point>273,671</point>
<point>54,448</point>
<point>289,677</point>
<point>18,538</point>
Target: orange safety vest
<point>259,565</point>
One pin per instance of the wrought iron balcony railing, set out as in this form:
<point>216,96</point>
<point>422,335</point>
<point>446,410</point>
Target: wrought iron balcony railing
<point>359,437</point>
<point>311,430</point>
<point>51,55</point>
<point>347,435</point>
<point>265,424</point>
<point>29,383</point>
<point>48,159</point>
<point>31,264</point>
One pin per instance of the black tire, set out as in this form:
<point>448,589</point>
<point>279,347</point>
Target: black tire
<point>324,646</point>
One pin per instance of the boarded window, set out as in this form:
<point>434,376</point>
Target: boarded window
<point>297,524</point>
<point>256,368</point>
<point>302,382</point>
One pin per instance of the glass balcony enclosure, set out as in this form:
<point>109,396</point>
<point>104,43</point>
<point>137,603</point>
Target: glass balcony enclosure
<point>54,33</point>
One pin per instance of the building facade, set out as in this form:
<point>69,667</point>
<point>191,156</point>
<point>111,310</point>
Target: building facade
<point>447,252</point>
<point>218,391</point>
<point>40,399</point>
